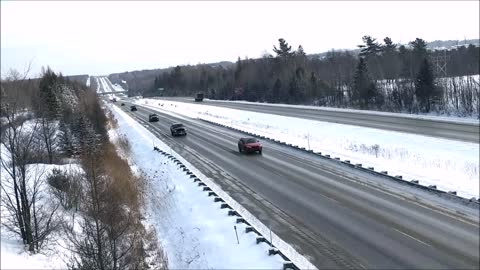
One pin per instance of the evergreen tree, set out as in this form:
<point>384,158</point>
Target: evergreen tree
<point>419,52</point>
<point>389,45</point>
<point>66,140</point>
<point>364,90</point>
<point>300,51</point>
<point>285,51</point>
<point>419,46</point>
<point>425,89</point>
<point>370,47</point>
<point>49,105</point>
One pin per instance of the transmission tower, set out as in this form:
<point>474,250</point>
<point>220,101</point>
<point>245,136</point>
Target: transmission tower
<point>440,64</point>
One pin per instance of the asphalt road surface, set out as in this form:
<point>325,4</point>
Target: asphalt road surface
<point>442,129</point>
<point>337,217</point>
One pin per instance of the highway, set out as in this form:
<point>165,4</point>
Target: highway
<point>467,132</point>
<point>337,217</point>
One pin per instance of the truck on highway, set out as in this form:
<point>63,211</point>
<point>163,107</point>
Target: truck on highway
<point>199,97</point>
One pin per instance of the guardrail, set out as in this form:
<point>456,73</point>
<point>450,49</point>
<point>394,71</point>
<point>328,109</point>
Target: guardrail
<point>230,211</point>
<point>398,178</point>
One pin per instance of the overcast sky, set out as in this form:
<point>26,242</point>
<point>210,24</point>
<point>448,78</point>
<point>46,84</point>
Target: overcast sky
<point>99,38</point>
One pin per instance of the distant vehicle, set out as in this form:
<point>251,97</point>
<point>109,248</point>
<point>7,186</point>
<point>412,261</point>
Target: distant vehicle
<point>123,104</point>
<point>133,108</point>
<point>178,129</point>
<point>114,100</point>
<point>249,145</point>
<point>199,97</point>
<point>153,118</point>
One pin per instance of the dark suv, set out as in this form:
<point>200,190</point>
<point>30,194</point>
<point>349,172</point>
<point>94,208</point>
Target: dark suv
<point>133,108</point>
<point>178,129</point>
<point>153,118</point>
<point>249,145</point>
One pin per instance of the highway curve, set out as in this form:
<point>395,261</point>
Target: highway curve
<point>336,216</point>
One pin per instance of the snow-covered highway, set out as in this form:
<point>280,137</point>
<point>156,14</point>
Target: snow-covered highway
<point>337,217</point>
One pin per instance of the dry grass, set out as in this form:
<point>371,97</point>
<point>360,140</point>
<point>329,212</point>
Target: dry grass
<point>129,189</point>
<point>112,122</point>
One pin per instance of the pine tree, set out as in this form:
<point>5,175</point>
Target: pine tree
<point>300,51</point>
<point>370,47</point>
<point>49,104</point>
<point>364,90</point>
<point>425,89</point>
<point>419,52</point>
<point>285,51</point>
<point>66,140</point>
<point>389,45</point>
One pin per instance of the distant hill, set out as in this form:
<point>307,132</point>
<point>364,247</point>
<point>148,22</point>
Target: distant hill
<point>433,45</point>
<point>450,44</point>
<point>79,78</point>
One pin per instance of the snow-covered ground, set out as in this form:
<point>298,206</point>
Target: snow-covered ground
<point>194,231</point>
<point>87,83</point>
<point>14,256</point>
<point>13,252</point>
<point>451,165</point>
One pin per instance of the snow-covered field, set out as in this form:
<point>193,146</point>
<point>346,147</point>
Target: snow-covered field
<point>451,165</point>
<point>193,230</point>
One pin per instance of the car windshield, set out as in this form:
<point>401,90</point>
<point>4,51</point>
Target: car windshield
<point>177,125</point>
<point>251,140</point>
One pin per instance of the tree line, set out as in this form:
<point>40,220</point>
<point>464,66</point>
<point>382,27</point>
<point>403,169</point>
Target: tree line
<point>381,76</point>
<point>53,120</point>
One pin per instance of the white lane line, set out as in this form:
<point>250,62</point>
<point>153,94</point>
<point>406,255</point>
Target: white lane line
<point>418,240</point>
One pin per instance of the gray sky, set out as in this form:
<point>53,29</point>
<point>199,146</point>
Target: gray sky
<point>99,38</point>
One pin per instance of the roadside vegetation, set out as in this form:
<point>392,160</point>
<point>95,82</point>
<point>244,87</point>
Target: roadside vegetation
<point>94,211</point>
<point>380,75</point>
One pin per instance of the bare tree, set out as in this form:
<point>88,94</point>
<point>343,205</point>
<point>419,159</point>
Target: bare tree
<point>22,187</point>
<point>47,132</point>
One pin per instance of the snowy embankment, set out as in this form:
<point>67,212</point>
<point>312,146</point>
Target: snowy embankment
<point>451,165</point>
<point>13,252</point>
<point>193,230</point>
